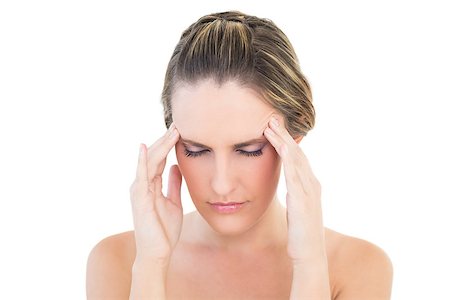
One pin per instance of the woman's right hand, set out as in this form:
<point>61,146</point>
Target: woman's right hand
<point>157,218</point>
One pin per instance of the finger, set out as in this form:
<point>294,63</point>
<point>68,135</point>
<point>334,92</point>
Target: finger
<point>295,168</point>
<point>161,139</point>
<point>276,142</point>
<point>156,187</point>
<point>277,125</point>
<point>281,131</point>
<point>140,186</point>
<point>174,189</point>
<point>141,171</point>
<point>157,153</point>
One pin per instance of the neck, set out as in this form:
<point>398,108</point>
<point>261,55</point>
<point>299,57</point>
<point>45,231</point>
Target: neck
<point>269,233</point>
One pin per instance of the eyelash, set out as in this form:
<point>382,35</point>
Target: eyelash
<point>250,154</point>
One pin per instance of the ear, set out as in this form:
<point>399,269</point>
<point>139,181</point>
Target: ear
<point>298,139</point>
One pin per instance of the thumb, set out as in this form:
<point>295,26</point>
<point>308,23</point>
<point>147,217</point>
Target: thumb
<point>174,188</point>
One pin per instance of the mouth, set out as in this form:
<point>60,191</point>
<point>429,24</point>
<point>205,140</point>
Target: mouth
<point>228,207</point>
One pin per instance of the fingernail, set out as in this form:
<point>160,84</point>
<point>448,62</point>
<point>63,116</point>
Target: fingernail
<point>274,121</point>
<point>141,149</point>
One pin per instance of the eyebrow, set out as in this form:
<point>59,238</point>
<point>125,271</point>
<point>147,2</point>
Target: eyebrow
<point>236,146</point>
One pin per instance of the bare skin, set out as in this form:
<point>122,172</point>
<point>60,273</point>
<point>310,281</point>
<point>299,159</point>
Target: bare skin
<point>264,251</point>
<point>193,273</point>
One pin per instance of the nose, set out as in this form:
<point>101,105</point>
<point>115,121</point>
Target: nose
<point>223,181</point>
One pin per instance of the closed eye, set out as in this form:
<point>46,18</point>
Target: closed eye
<point>192,153</point>
<point>253,153</point>
<point>198,153</point>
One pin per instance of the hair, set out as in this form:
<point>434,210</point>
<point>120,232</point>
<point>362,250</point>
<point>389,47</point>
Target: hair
<point>254,52</point>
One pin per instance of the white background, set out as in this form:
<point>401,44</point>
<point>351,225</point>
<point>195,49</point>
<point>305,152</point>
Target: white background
<point>80,85</point>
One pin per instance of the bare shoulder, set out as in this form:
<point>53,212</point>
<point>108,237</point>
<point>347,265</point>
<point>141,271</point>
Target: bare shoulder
<point>361,269</point>
<point>108,267</point>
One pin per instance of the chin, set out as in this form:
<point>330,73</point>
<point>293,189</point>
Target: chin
<point>228,226</point>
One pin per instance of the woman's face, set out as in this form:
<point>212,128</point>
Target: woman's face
<point>212,122</point>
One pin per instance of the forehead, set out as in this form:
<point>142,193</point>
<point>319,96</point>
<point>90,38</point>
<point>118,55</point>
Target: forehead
<point>217,115</point>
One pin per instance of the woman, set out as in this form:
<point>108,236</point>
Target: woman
<point>237,106</point>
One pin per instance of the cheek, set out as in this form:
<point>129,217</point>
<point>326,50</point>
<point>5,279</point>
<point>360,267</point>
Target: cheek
<point>190,168</point>
<point>261,174</point>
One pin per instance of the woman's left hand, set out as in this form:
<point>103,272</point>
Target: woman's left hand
<point>304,213</point>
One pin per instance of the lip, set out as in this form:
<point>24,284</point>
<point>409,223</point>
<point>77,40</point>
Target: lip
<point>227,208</point>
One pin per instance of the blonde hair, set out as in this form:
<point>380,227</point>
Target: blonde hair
<point>252,51</point>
